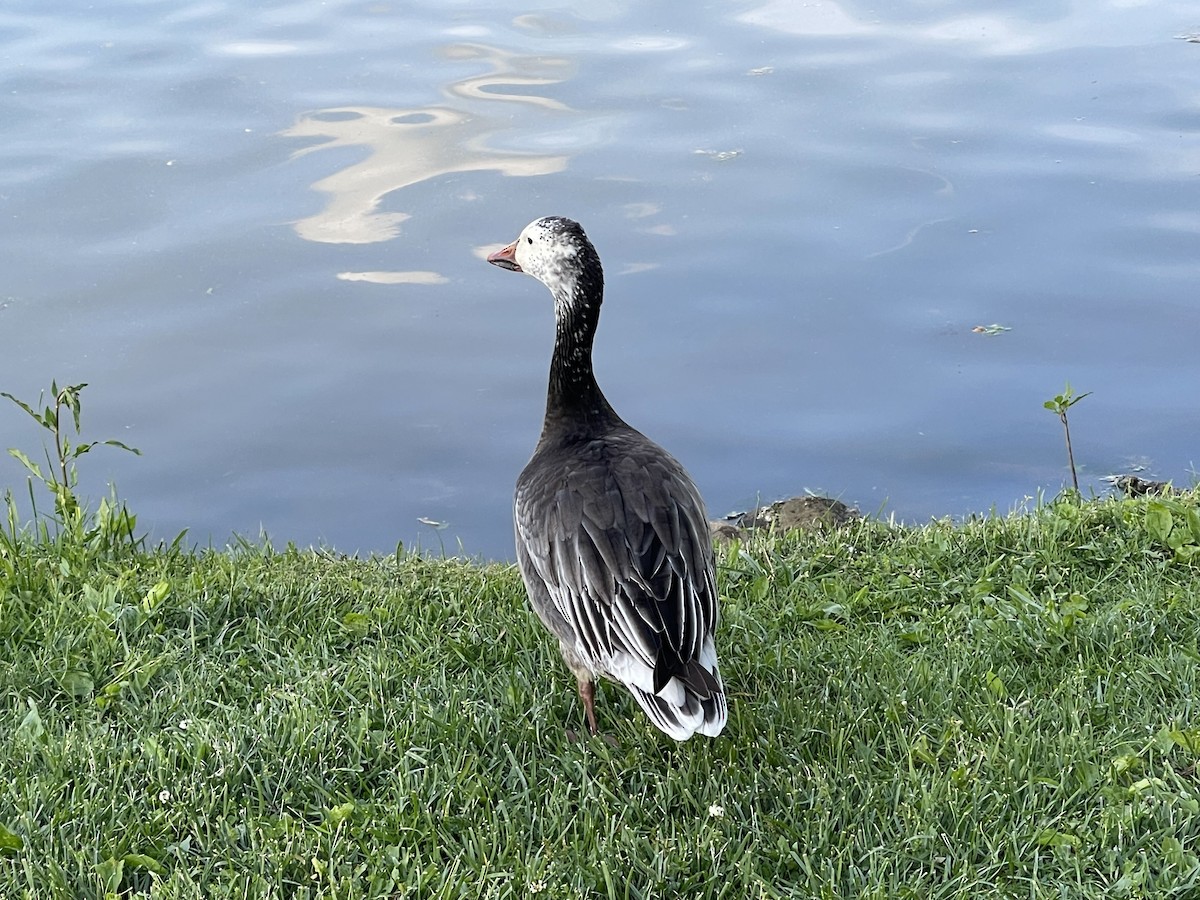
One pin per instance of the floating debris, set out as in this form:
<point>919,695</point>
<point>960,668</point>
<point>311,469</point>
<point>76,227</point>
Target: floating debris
<point>1135,465</point>
<point>762,70</point>
<point>719,155</point>
<point>432,523</point>
<point>991,329</point>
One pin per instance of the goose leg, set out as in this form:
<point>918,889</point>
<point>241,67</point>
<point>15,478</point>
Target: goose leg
<point>587,693</point>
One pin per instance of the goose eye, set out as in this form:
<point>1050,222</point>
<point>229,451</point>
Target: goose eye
<point>529,240</point>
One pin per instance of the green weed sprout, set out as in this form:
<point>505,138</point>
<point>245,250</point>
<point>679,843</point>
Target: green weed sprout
<point>1060,403</point>
<point>60,477</point>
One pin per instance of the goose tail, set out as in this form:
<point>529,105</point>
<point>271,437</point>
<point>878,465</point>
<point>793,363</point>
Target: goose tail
<point>693,705</point>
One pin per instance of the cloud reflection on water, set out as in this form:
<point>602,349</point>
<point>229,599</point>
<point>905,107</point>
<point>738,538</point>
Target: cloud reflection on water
<point>410,277</point>
<point>411,145</point>
<point>1009,31</point>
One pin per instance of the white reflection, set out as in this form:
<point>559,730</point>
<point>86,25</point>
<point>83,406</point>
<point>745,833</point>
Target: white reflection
<point>806,18</point>
<point>414,277</point>
<point>487,250</point>
<point>1003,32</point>
<point>637,268</point>
<point>507,71</point>
<point>996,34</point>
<point>1092,134</point>
<point>647,43</point>
<point>641,210</point>
<point>908,238</point>
<point>256,48</point>
<point>1175,220</point>
<point>408,146</point>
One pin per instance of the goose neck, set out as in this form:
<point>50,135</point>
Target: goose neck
<point>574,397</point>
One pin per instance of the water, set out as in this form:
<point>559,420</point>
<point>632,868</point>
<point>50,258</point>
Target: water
<point>258,234</point>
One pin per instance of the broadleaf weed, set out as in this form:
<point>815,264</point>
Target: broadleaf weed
<point>102,532</point>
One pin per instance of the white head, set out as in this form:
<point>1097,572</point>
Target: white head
<point>556,252</point>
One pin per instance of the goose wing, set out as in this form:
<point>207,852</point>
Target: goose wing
<point>615,537</point>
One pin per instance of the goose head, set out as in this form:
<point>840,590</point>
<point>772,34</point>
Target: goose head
<point>556,252</point>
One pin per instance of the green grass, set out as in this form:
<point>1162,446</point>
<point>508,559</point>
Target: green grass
<point>1002,708</point>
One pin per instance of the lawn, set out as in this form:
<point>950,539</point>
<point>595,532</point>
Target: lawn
<point>999,708</point>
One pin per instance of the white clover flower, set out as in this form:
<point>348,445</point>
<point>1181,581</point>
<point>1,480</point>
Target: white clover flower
<point>536,887</point>
<point>164,796</point>
<point>716,811</point>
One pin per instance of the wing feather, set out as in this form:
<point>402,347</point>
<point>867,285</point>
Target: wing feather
<point>624,566</point>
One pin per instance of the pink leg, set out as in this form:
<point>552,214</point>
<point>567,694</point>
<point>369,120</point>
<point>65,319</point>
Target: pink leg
<point>587,693</point>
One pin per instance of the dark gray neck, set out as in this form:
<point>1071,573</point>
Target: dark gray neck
<point>575,406</point>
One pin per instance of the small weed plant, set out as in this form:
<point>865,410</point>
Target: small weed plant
<point>1176,524</point>
<point>71,524</point>
<point>1059,404</point>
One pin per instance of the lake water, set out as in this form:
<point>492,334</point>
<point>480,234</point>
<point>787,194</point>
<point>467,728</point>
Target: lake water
<point>257,231</point>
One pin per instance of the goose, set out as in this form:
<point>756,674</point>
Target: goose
<point>612,536</point>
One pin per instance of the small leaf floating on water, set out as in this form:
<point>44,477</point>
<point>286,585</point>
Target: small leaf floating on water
<point>990,329</point>
<point>762,70</point>
<point>432,523</point>
<point>719,155</point>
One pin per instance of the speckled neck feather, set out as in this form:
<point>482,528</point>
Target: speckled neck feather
<point>575,405</point>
